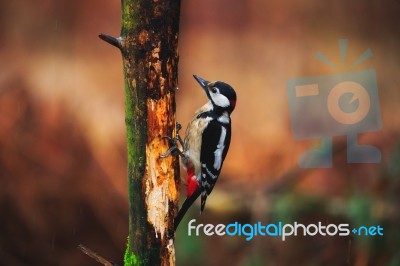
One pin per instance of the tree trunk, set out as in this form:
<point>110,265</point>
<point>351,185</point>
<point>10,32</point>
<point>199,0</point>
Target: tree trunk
<point>149,47</point>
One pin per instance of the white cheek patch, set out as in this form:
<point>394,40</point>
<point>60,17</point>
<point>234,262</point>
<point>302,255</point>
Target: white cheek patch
<point>220,100</point>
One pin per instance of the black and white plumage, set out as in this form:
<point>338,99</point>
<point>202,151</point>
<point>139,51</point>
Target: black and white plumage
<point>206,143</point>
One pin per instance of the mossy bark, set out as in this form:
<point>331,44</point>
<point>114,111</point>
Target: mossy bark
<point>149,47</point>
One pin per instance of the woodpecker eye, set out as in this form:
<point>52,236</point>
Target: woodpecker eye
<point>214,90</point>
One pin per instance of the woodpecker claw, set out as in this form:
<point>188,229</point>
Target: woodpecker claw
<point>178,127</point>
<point>178,137</point>
<point>174,148</point>
<point>169,151</point>
<point>173,143</point>
<point>169,138</point>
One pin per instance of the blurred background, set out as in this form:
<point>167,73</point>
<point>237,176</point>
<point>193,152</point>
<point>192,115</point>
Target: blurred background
<point>62,132</point>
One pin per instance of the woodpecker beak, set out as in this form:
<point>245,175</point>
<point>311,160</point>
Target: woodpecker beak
<point>203,83</point>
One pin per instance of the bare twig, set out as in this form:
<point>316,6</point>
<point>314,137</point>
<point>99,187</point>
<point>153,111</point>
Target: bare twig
<point>111,40</point>
<point>96,257</point>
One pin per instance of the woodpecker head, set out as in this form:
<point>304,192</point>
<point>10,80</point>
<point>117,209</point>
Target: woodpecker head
<point>220,94</point>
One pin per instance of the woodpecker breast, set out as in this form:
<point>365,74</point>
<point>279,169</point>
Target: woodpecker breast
<point>193,141</point>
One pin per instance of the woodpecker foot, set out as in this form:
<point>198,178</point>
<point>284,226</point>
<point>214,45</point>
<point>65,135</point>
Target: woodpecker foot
<point>174,143</point>
<point>178,137</point>
<point>172,149</point>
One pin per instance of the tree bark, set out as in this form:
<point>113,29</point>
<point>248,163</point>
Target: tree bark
<point>149,47</point>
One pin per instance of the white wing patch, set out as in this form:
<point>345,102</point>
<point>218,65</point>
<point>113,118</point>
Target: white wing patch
<point>219,150</point>
<point>224,118</point>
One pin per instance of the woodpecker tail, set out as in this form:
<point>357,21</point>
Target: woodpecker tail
<point>185,207</point>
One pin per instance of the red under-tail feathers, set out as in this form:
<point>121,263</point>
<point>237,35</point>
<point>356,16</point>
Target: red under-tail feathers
<point>192,193</point>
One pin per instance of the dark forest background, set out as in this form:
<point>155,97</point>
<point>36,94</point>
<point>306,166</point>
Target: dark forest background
<point>62,132</point>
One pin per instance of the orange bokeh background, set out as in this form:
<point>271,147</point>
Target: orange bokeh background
<point>62,132</point>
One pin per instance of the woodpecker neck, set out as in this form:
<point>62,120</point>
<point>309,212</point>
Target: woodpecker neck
<point>220,110</point>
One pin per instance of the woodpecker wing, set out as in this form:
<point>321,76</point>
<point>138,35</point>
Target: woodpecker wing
<point>215,144</point>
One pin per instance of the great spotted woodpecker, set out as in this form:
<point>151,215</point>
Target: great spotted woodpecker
<point>206,143</point>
